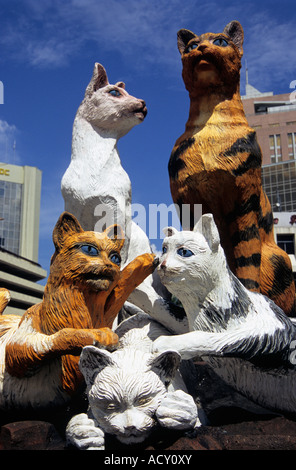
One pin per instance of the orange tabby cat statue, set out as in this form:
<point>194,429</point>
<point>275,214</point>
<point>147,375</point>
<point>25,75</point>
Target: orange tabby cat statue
<point>217,163</point>
<point>39,352</point>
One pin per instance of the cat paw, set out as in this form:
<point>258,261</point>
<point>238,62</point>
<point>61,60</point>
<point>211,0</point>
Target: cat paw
<point>178,411</point>
<point>82,433</point>
<point>105,337</point>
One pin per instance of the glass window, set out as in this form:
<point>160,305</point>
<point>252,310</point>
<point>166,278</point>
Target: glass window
<point>10,213</point>
<point>292,145</point>
<point>275,148</point>
<point>286,243</point>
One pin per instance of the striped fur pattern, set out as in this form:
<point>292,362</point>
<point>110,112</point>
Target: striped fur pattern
<point>243,335</point>
<point>217,163</point>
<point>39,352</point>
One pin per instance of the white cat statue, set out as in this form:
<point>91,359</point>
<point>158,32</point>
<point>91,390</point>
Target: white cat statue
<point>244,336</point>
<point>131,390</point>
<point>97,190</point>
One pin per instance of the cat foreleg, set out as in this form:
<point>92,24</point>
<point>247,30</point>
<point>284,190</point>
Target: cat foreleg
<point>198,343</point>
<point>178,411</point>
<point>29,348</point>
<point>83,433</point>
<point>130,277</point>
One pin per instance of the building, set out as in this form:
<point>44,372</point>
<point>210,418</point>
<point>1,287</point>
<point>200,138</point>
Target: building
<point>273,117</point>
<point>20,190</point>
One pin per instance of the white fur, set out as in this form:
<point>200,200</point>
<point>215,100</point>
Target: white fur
<point>225,318</point>
<point>127,389</point>
<point>96,177</point>
<point>42,388</point>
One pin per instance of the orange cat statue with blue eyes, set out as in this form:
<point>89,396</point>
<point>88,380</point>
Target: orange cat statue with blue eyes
<point>39,352</point>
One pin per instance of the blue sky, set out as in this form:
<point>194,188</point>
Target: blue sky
<point>48,49</point>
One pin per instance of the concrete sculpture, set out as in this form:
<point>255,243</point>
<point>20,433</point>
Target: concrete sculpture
<point>84,292</point>
<point>96,182</point>
<point>217,163</point>
<point>131,390</point>
<point>245,337</point>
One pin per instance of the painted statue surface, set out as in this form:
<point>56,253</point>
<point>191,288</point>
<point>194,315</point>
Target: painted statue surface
<point>39,352</point>
<point>217,161</point>
<point>96,188</point>
<point>243,335</point>
<point>131,391</point>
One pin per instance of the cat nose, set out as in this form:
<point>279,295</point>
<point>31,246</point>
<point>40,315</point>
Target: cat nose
<point>163,265</point>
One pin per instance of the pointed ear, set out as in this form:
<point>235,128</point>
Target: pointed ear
<point>92,361</point>
<point>115,233</point>
<point>236,33</point>
<point>165,365</point>
<point>207,227</point>
<point>99,79</point>
<point>120,85</point>
<point>183,38</point>
<point>169,231</point>
<point>66,224</point>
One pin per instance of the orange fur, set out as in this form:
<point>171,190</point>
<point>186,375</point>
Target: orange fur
<point>217,163</point>
<point>83,295</point>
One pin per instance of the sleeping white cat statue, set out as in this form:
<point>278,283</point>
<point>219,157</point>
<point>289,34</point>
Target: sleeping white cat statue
<point>243,335</point>
<point>131,390</point>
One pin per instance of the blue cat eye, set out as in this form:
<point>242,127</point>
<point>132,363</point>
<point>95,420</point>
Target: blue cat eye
<point>89,250</point>
<point>164,250</point>
<point>115,258</point>
<point>114,93</point>
<point>184,252</point>
<point>220,42</point>
<point>192,47</point>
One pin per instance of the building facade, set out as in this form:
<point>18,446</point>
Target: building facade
<point>20,191</point>
<point>273,117</point>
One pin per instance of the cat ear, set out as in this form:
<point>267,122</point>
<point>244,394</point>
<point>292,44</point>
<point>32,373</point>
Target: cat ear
<point>207,227</point>
<point>92,361</point>
<point>169,231</point>
<point>165,365</point>
<point>115,233</point>
<point>99,79</point>
<point>236,33</point>
<point>66,224</point>
<point>120,85</point>
<point>183,38</point>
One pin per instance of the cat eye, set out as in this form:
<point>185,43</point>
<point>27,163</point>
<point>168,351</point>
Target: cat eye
<point>115,258</point>
<point>89,250</point>
<point>114,92</point>
<point>143,401</point>
<point>184,252</point>
<point>164,250</point>
<point>220,42</point>
<point>191,47</point>
<point>111,406</point>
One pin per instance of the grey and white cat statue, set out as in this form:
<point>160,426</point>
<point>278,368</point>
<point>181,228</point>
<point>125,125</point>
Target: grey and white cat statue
<point>131,390</point>
<point>244,336</point>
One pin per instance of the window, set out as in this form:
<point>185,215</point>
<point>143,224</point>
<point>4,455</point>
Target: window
<point>292,145</point>
<point>286,243</point>
<point>275,148</point>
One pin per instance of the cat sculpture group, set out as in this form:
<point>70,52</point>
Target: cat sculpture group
<point>235,285</point>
